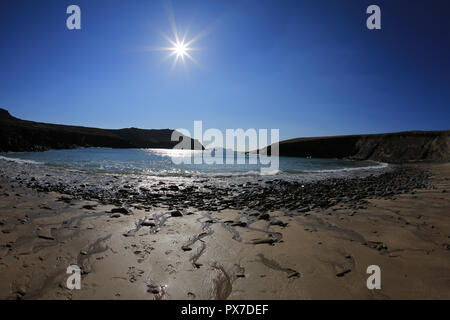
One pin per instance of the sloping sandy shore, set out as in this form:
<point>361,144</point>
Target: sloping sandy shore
<point>153,252</point>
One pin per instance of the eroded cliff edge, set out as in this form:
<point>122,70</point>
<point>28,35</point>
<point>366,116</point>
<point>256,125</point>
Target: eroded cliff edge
<point>396,147</point>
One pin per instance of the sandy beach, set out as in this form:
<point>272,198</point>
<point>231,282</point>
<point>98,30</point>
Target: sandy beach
<point>132,250</point>
<point>222,159</point>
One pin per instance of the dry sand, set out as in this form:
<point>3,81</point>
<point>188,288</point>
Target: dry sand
<point>201,255</point>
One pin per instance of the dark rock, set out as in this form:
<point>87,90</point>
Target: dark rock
<point>263,241</point>
<point>342,272</point>
<point>148,223</point>
<point>21,290</point>
<point>239,224</point>
<point>176,213</point>
<point>46,237</point>
<point>121,210</point>
<point>278,223</point>
<point>293,274</point>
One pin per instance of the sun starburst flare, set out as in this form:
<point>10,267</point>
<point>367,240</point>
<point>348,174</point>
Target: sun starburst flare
<point>179,48</point>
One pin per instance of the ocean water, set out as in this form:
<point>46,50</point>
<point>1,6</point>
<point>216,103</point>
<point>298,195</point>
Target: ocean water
<point>168,162</point>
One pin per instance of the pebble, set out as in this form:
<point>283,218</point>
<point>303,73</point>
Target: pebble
<point>263,240</point>
<point>121,210</point>
<point>21,290</point>
<point>239,224</point>
<point>342,272</point>
<point>278,223</point>
<point>46,236</point>
<point>148,223</point>
<point>176,213</point>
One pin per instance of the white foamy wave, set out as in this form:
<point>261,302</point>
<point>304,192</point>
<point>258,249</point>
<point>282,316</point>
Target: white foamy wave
<point>167,173</point>
<point>270,173</point>
<point>16,160</point>
<point>380,165</point>
<point>243,174</point>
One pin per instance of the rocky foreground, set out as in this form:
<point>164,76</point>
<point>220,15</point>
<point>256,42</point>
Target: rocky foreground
<point>199,239</point>
<point>260,196</point>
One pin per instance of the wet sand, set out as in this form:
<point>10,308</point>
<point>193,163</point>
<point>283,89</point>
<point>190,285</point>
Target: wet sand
<point>154,253</point>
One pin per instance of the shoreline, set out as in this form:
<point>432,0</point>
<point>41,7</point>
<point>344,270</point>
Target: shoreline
<point>197,240</point>
<point>173,191</point>
<point>395,147</point>
<point>371,167</point>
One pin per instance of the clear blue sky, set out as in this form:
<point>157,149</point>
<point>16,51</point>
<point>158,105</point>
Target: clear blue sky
<point>309,68</point>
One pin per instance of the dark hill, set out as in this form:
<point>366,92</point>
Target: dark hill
<point>388,147</point>
<point>23,135</point>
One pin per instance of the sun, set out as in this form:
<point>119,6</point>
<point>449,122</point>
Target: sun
<point>179,46</point>
<point>180,49</point>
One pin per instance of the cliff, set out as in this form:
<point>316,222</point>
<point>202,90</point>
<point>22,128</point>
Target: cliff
<point>388,147</point>
<point>23,135</point>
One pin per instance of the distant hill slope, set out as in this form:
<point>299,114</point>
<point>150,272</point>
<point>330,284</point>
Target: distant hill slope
<point>23,135</point>
<point>388,147</point>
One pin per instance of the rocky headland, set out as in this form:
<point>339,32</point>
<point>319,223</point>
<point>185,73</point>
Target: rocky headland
<point>23,135</point>
<point>399,147</point>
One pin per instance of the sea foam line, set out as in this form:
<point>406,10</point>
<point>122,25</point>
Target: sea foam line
<point>380,165</point>
<point>16,160</point>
